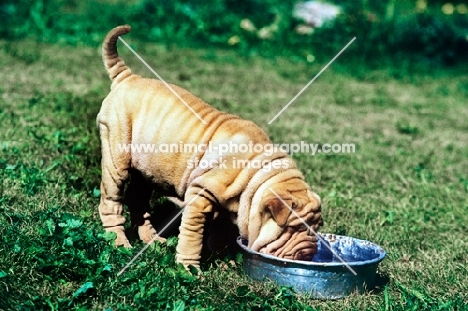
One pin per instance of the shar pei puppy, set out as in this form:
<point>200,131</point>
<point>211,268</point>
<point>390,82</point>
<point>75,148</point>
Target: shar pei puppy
<point>257,189</point>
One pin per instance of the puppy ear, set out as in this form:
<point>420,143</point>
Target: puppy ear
<point>278,210</point>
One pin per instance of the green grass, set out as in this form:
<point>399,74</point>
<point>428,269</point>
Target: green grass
<point>384,29</point>
<point>405,188</point>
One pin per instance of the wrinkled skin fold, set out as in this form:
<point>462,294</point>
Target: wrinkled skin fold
<point>294,245</point>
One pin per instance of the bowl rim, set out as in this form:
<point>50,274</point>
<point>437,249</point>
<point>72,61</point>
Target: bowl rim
<point>305,264</point>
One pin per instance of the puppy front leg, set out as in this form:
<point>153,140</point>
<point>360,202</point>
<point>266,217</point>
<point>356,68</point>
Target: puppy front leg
<point>190,242</point>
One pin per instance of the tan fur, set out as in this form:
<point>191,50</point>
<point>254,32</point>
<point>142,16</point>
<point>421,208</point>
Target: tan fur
<point>139,110</point>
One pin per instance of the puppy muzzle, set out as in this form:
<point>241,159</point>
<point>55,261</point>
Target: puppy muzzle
<point>293,244</point>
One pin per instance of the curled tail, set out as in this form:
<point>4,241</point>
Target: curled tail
<point>115,65</point>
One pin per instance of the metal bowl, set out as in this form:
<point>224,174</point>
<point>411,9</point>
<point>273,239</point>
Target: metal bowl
<point>326,276</point>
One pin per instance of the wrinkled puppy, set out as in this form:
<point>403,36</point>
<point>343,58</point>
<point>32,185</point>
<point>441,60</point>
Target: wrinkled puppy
<point>245,184</point>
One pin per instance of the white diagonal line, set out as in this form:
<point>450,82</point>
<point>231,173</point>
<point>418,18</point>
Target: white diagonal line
<point>313,231</point>
<point>162,80</point>
<point>156,236</point>
<point>316,76</point>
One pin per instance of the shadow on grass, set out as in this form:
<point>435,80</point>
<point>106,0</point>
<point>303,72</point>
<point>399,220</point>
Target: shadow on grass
<point>381,280</point>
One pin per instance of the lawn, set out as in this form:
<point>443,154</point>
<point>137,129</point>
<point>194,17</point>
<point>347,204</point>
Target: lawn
<point>405,188</point>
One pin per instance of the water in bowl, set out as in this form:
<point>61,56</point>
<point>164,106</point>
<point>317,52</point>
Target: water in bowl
<point>348,249</point>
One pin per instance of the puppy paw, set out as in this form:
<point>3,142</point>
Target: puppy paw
<point>148,234</point>
<point>122,242</point>
<point>189,264</point>
<point>121,238</point>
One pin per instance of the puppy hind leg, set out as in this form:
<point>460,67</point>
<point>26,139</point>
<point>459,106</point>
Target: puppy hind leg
<point>111,210</point>
<point>114,175</point>
<point>137,198</point>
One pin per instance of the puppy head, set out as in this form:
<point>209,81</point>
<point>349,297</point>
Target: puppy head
<point>281,232</point>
